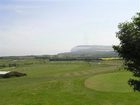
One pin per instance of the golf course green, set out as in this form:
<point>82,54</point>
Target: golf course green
<point>110,82</point>
<point>68,83</point>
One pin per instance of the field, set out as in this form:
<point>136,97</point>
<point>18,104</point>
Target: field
<point>68,83</point>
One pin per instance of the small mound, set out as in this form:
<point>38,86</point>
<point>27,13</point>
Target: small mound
<point>110,82</point>
<point>12,74</point>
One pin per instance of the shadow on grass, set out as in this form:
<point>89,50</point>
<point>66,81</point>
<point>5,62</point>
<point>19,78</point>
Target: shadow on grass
<point>135,84</point>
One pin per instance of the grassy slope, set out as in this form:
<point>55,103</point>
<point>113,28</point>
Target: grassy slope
<point>61,83</point>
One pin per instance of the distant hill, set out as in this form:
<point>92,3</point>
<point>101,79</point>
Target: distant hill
<point>91,48</point>
<point>90,51</point>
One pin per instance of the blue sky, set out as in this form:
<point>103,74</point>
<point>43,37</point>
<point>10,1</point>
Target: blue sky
<point>51,26</point>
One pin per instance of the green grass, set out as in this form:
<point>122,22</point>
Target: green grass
<point>62,83</point>
<point>110,82</point>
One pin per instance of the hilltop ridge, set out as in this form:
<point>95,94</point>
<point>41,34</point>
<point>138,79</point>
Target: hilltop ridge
<point>93,51</point>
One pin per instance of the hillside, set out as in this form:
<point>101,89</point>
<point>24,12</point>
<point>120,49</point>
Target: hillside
<point>94,51</point>
<point>91,48</point>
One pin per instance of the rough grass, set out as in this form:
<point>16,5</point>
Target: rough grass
<point>62,83</point>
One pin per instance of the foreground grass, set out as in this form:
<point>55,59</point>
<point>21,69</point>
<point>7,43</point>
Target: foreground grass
<point>62,83</point>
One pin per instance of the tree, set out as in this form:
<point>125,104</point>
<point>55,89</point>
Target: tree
<point>129,47</point>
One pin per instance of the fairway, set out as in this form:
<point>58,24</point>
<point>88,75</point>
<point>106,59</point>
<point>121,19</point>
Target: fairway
<point>110,82</point>
<point>63,83</point>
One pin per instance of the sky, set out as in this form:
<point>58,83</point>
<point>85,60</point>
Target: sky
<point>35,27</point>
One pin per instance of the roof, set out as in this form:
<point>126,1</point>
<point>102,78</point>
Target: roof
<point>4,72</point>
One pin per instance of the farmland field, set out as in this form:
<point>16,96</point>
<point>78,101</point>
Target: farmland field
<point>68,83</point>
